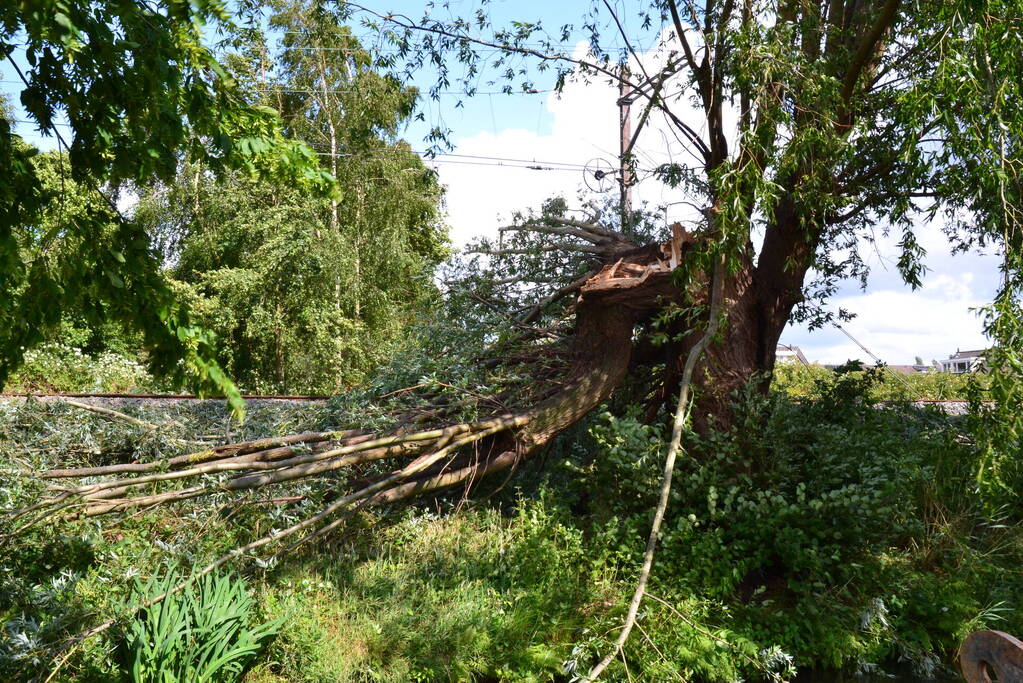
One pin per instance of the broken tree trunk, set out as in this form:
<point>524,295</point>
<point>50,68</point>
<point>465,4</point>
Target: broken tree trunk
<point>626,287</point>
<point>627,290</point>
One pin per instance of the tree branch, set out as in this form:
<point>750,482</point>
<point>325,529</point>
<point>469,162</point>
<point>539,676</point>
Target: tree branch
<point>594,227</point>
<point>867,47</point>
<point>681,31</point>
<point>581,233</point>
<point>628,43</point>
<point>411,26</point>
<point>563,246</point>
<point>681,418</point>
<point>117,415</point>
<point>573,286</point>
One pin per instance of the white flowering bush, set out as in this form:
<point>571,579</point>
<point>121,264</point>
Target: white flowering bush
<point>57,367</point>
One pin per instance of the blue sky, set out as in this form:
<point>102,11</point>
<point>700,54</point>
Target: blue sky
<point>894,322</point>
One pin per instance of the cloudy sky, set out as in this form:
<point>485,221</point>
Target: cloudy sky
<point>562,133</point>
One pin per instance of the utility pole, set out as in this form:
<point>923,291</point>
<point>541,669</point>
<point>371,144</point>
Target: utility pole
<point>625,127</point>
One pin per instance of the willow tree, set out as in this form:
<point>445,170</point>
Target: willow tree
<point>307,293</point>
<point>849,117</point>
<point>816,125</point>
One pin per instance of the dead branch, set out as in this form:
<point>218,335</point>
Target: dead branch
<point>562,246</point>
<point>107,412</point>
<point>585,233</point>
<point>219,452</point>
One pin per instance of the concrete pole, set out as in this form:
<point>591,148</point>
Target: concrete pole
<point>625,126</point>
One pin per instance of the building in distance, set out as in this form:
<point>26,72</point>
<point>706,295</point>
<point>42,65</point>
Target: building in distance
<point>784,353</point>
<point>962,362</point>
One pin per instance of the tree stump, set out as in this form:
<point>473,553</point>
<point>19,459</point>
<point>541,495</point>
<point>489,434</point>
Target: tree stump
<point>986,652</point>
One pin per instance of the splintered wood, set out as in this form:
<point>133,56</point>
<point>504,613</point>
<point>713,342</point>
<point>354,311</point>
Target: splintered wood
<point>634,270</point>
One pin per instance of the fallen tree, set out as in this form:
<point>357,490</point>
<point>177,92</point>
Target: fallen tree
<point>847,114</point>
<point>626,285</point>
<point>575,368</point>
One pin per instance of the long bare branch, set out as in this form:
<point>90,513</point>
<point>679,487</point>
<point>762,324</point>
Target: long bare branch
<point>562,246</point>
<point>681,419</point>
<point>217,453</point>
<point>680,30</point>
<point>628,42</point>
<point>571,287</point>
<point>107,412</point>
<point>408,24</point>
<point>591,226</point>
<point>571,231</point>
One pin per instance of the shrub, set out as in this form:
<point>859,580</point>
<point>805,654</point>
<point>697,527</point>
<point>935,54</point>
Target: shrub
<point>56,367</point>
<point>844,534</point>
<point>815,381</point>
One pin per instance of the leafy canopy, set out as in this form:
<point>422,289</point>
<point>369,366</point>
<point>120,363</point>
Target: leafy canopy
<point>139,86</point>
<point>814,125</point>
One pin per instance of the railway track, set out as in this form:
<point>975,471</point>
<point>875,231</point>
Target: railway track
<point>175,397</point>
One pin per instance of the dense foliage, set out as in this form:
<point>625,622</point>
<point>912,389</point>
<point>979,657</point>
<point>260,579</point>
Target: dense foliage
<point>846,533</point>
<point>814,529</point>
<point>882,384</point>
<point>304,292</point>
<point>84,350</point>
<point>138,86</point>
<point>301,305</point>
<point>65,368</point>
<point>808,129</point>
<point>816,533</point>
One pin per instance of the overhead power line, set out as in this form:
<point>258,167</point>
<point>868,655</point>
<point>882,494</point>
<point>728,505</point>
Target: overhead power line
<point>500,164</point>
<point>460,159</point>
<point>469,160</point>
<point>54,123</point>
<point>352,91</point>
<point>369,38</point>
<point>394,150</point>
<point>532,91</point>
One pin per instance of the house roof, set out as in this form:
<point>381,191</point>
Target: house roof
<point>959,355</point>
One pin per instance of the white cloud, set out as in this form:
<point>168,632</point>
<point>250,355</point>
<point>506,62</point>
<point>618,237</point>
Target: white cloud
<point>896,323</point>
<point>479,198</point>
<point>584,127</point>
<point>899,325</point>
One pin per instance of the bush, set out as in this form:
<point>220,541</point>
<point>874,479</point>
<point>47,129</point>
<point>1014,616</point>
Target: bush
<point>56,367</point>
<point>814,381</point>
<point>815,533</point>
<point>843,534</point>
